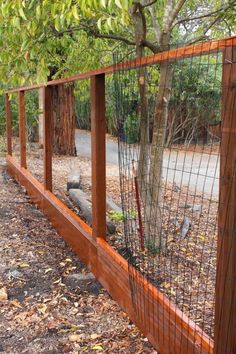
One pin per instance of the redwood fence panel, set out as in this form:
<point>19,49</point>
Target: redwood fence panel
<point>225,322</point>
<point>98,136</point>
<point>168,328</point>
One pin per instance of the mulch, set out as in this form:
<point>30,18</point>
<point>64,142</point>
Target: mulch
<point>45,310</point>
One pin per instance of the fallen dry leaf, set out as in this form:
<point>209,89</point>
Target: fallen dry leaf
<point>3,294</point>
<point>94,336</point>
<point>24,265</point>
<point>74,338</point>
<point>97,347</point>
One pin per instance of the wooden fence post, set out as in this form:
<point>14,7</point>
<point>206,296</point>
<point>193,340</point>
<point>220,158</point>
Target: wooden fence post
<point>8,125</point>
<point>225,319</point>
<point>98,136</point>
<point>22,128</point>
<point>47,136</point>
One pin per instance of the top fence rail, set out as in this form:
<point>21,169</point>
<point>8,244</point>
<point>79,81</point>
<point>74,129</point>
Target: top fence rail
<point>170,55</point>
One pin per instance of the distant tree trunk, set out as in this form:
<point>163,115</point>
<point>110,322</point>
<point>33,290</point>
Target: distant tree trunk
<point>64,120</point>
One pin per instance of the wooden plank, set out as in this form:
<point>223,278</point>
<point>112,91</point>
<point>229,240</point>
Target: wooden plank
<point>225,319</point>
<point>25,88</point>
<point>170,331</point>
<point>171,55</point>
<point>98,142</point>
<point>8,125</point>
<point>47,137</point>
<point>22,128</point>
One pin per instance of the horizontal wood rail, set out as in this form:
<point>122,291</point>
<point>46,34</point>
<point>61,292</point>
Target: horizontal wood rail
<point>170,55</point>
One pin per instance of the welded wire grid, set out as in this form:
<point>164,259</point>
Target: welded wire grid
<point>82,105</point>
<point>170,223</point>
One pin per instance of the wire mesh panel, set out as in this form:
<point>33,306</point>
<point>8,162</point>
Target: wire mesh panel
<point>169,124</point>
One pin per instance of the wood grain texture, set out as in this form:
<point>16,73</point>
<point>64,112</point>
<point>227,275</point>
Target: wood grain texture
<point>22,128</point>
<point>8,124</point>
<point>98,143</point>
<point>170,331</point>
<point>225,318</point>
<point>47,136</point>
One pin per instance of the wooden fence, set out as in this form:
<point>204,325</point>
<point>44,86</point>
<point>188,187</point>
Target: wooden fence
<point>170,331</point>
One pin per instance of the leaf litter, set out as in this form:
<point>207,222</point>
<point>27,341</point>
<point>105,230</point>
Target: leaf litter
<point>39,313</point>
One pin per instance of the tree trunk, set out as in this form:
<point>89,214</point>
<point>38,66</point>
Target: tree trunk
<point>156,159</point>
<point>150,164</point>
<point>64,120</point>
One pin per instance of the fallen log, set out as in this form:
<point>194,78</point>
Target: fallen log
<point>83,201</point>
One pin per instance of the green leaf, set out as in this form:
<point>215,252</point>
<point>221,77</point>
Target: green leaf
<point>99,24</point>
<point>75,12</point>
<point>22,14</point>
<point>38,12</point>
<point>16,22</point>
<point>118,3</point>
<point>57,24</point>
<point>109,24</point>
<point>104,3</point>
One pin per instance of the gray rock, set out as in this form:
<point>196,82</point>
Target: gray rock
<point>82,282</point>
<point>73,181</point>
<point>193,207</point>
<point>4,212</point>
<point>81,277</point>
<point>185,227</point>
<point>175,222</point>
<point>15,274</point>
<point>111,228</point>
<point>197,207</point>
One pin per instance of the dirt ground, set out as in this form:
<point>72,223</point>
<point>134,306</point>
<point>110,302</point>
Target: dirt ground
<point>49,302</point>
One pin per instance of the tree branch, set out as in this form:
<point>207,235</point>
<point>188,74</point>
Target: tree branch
<point>149,4</point>
<point>155,23</point>
<point>97,34</point>
<point>153,47</point>
<point>92,31</point>
<point>209,14</point>
<point>167,15</point>
<point>175,13</point>
<point>203,36</point>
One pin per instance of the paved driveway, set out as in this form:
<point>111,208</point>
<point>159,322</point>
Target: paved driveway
<point>199,171</point>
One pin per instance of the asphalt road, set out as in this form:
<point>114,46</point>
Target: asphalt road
<point>199,171</point>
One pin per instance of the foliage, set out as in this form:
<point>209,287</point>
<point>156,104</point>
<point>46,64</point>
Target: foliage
<point>50,38</point>
<point>120,216</point>
<point>152,249</point>
<point>3,146</point>
<point>131,129</point>
<point>195,101</point>
<point>116,216</point>
<point>31,110</point>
